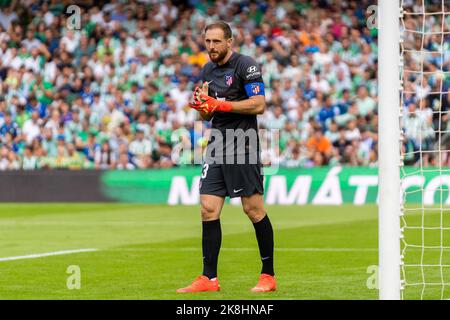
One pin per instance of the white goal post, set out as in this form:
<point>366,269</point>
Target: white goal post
<point>414,149</point>
<point>389,149</point>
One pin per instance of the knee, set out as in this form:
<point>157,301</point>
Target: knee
<point>209,212</point>
<point>255,213</point>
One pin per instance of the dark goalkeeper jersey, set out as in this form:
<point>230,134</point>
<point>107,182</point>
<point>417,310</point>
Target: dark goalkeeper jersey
<point>238,79</point>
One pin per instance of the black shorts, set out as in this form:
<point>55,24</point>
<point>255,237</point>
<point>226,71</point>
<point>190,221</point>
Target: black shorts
<point>233,180</point>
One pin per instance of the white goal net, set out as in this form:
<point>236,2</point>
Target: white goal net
<point>425,148</point>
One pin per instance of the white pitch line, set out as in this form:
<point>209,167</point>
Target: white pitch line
<point>250,249</point>
<point>47,254</point>
<point>56,253</point>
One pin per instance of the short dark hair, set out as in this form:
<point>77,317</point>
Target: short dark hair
<point>221,25</point>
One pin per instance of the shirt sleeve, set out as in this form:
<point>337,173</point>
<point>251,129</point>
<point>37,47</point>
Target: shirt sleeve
<point>251,76</point>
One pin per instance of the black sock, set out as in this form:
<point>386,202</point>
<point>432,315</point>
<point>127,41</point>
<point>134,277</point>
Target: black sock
<point>264,235</point>
<point>211,241</point>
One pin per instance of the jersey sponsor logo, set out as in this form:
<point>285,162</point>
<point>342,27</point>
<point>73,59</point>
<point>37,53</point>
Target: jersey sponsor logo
<point>252,72</point>
<point>252,69</point>
<point>228,79</point>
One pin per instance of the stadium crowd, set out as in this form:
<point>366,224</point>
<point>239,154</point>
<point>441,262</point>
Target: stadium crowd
<point>112,92</point>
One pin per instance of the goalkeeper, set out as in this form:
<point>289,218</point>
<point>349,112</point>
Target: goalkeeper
<point>232,95</point>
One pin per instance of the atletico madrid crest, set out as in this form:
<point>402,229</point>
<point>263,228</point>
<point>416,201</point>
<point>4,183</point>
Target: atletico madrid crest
<point>256,88</point>
<point>228,79</point>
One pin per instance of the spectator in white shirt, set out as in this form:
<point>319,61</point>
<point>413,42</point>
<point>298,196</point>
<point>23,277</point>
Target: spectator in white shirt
<point>352,132</point>
<point>318,83</point>
<point>181,95</point>
<point>31,128</point>
<point>7,16</point>
<point>124,162</point>
<point>70,41</point>
<point>29,161</point>
<point>30,42</point>
<point>141,149</point>
<point>48,15</point>
<point>276,119</point>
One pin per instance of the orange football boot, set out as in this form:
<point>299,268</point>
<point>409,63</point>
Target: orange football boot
<point>201,284</point>
<point>266,283</point>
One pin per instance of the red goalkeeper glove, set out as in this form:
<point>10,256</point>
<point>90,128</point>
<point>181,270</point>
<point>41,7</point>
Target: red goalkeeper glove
<point>207,104</point>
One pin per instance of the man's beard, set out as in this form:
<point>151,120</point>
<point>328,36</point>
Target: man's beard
<point>220,56</point>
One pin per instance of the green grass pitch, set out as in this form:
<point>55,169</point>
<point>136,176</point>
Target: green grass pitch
<point>148,251</point>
